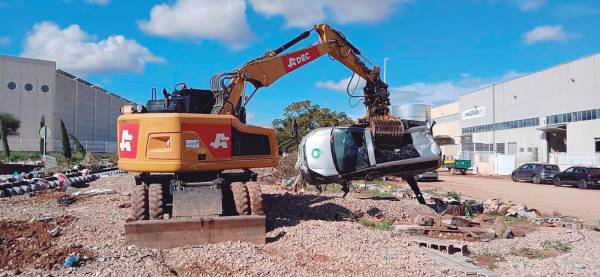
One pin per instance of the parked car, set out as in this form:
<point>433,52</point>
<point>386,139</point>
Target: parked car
<point>535,172</point>
<point>427,176</point>
<point>583,177</point>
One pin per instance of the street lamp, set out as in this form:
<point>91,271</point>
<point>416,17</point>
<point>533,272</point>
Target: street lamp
<point>385,68</point>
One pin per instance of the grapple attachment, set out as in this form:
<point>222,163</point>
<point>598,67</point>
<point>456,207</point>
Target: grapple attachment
<point>386,125</point>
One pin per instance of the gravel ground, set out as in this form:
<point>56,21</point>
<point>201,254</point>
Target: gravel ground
<point>308,235</point>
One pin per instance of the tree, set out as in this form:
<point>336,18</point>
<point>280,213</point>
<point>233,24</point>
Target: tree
<point>42,124</point>
<point>78,146</point>
<point>66,143</point>
<point>9,126</point>
<point>308,117</point>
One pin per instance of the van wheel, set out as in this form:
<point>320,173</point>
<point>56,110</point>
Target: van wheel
<point>536,179</point>
<point>582,184</point>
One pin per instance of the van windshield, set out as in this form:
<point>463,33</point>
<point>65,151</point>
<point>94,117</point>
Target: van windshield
<point>350,149</point>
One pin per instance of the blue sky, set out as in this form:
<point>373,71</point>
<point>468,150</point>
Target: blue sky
<point>436,49</point>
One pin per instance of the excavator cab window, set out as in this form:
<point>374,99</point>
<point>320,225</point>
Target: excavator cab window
<point>186,100</point>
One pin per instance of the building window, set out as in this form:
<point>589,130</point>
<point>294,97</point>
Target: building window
<point>500,148</point>
<point>597,145</point>
<point>45,88</point>
<point>28,87</point>
<point>11,85</point>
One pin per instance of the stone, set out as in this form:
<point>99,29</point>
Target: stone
<point>455,210</point>
<point>499,226</point>
<point>414,230</point>
<point>422,220</point>
<point>503,208</point>
<point>480,219</point>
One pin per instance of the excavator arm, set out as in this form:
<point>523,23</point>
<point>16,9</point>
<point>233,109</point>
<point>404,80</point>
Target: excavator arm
<point>229,88</point>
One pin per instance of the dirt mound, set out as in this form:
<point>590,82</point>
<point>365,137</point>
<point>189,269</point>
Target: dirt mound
<point>24,244</point>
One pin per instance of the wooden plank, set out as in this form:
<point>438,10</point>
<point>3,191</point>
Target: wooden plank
<point>170,233</point>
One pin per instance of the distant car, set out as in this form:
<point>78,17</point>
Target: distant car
<point>582,177</point>
<point>427,176</point>
<point>535,172</point>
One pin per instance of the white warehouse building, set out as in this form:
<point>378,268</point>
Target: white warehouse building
<point>32,88</point>
<point>549,116</point>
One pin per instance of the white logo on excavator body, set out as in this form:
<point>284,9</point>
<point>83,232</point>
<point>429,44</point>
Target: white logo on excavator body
<point>220,141</point>
<point>126,139</point>
<point>292,62</point>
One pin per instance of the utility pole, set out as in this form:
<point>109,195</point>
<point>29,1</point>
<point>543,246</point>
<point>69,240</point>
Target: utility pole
<point>385,69</point>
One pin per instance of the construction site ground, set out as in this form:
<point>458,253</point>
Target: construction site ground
<point>307,235</point>
<point>582,203</point>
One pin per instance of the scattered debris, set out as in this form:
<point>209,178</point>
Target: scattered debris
<point>93,192</point>
<point>424,220</point>
<point>71,261</point>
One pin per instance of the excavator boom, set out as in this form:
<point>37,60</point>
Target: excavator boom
<point>264,71</point>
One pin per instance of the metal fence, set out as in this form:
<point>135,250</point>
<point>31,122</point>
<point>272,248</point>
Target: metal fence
<point>17,144</point>
<point>587,159</point>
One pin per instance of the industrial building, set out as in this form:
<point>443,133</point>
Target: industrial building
<point>32,88</point>
<point>549,116</point>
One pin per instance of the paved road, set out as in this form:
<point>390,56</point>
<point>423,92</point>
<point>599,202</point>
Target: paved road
<point>584,204</point>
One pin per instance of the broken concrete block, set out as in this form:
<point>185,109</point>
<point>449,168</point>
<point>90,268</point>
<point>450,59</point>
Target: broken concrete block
<point>424,220</point>
<point>480,219</point>
<point>502,209</point>
<point>502,231</point>
<point>571,225</point>
<point>491,205</point>
<point>518,231</point>
<point>455,209</point>
<point>413,230</point>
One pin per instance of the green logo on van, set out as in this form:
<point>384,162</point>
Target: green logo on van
<point>316,153</point>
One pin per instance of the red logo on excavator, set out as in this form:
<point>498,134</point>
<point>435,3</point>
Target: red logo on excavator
<point>297,59</point>
<point>128,136</point>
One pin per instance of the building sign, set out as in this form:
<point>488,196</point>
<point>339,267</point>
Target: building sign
<point>473,113</point>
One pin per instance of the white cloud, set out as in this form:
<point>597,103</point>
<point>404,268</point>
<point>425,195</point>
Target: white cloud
<point>5,40</point>
<point>530,5</point>
<point>308,13</point>
<point>342,85</point>
<point>223,20</point>
<point>429,93</point>
<point>545,33</point>
<point>98,2</point>
<point>77,52</point>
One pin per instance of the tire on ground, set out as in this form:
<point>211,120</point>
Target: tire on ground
<point>139,201</point>
<point>155,201</point>
<point>240,198</point>
<point>255,197</point>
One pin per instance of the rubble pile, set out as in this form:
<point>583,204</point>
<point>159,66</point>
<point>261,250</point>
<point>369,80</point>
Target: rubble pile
<point>308,234</point>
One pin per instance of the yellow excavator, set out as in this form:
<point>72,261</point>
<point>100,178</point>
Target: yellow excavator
<point>194,151</point>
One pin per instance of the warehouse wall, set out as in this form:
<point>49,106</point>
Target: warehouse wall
<point>27,88</point>
<point>66,93</point>
<point>581,136</point>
